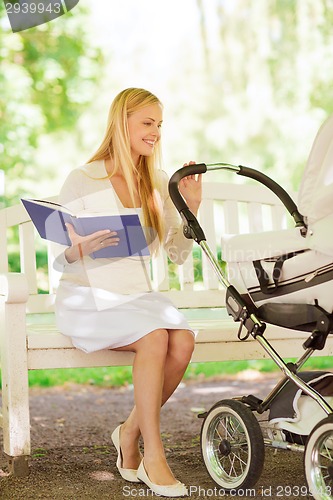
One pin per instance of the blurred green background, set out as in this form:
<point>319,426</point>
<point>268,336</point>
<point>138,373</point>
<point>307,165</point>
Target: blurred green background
<point>241,81</point>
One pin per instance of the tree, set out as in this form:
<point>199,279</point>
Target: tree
<point>268,69</point>
<point>47,76</point>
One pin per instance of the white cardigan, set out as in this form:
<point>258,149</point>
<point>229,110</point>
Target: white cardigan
<point>87,189</point>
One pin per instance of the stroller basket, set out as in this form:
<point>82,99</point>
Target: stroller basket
<point>266,300</point>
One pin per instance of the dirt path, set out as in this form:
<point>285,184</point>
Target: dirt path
<point>73,457</point>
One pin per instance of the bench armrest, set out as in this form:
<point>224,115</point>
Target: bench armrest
<point>14,288</point>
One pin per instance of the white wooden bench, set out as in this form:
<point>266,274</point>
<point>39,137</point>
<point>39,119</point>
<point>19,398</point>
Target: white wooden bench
<point>30,340</point>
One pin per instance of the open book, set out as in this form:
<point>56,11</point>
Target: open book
<point>50,218</point>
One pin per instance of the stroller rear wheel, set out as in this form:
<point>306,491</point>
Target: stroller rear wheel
<point>318,460</point>
<point>232,445</point>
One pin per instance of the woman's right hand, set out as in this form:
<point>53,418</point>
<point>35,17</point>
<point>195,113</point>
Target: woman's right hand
<point>85,245</point>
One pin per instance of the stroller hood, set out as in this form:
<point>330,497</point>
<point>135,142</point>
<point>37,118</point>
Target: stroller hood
<point>315,200</point>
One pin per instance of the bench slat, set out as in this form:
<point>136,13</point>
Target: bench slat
<point>231,218</point>
<point>3,242</point>
<point>44,336</point>
<point>28,255</point>
<point>208,223</point>
<point>255,217</point>
<point>215,342</point>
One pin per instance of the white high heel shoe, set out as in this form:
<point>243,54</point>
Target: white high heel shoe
<point>173,490</point>
<point>127,474</point>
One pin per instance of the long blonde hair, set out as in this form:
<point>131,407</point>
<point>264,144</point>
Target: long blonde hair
<point>116,145</point>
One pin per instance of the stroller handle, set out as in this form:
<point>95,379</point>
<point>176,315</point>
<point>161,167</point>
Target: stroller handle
<point>201,168</point>
<point>191,228</point>
<point>178,200</point>
<point>277,189</point>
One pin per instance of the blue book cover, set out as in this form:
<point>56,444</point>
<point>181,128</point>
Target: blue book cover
<point>50,218</point>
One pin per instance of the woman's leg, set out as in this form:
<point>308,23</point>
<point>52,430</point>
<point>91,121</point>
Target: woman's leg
<point>148,377</point>
<point>180,349</point>
<point>180,344</point>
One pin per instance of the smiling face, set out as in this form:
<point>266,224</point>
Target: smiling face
<point>144,128</point>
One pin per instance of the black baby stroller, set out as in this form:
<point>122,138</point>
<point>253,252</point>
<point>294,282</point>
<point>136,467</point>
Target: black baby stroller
<point>283,278</point>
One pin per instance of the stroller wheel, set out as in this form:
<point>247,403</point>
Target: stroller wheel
<point>232,445</point>
<point>318,460</point>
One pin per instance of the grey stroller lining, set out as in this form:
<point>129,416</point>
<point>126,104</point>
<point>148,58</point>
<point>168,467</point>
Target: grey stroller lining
<point>286,406</point>
<point>304,317</point>
<point>294,413</point>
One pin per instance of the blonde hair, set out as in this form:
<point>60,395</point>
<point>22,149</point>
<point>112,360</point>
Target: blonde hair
<point>116,145</point>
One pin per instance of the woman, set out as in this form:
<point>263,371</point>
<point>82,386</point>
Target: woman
<point>109,303</point>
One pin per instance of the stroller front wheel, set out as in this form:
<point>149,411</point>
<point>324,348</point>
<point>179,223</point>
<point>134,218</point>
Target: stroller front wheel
<point>318,460</point>
<point>232,445</point>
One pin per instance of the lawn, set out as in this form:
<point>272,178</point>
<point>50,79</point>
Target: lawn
<point>118,376</point>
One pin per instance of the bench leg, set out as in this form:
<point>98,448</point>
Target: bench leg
<point>18,466</point>
<point>15,388</point>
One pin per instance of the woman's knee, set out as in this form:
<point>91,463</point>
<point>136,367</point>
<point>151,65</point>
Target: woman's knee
<point>156,342</point>
<point>181,345</point>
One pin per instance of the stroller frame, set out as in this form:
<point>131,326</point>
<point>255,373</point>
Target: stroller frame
<point>239,410</point>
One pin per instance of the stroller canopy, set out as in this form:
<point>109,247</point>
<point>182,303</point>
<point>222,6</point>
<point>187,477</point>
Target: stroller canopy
<point>315,199</point>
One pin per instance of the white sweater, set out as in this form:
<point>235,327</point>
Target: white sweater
<point>87,190</point>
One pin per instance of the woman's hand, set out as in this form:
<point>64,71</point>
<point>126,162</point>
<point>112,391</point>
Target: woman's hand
<point>85,245</point>
<point>190,188</point>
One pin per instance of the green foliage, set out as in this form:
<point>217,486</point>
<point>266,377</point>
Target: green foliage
<point>255,94</point>
<point>47,77</point>
<point>266,83</point>
<point>14,261</point>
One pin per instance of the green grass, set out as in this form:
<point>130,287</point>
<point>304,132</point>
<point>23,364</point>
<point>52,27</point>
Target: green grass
<point>263,366</point>
<point>105,376</point>
<point>120,376</point>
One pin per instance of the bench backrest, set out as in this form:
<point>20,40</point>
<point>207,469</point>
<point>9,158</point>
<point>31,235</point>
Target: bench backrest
<point>226,208</point>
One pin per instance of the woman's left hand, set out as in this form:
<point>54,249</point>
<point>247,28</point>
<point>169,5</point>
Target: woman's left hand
<point>190,188</point>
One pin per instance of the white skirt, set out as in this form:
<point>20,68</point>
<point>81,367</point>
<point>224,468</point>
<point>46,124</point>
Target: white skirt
<point>97,319</point>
